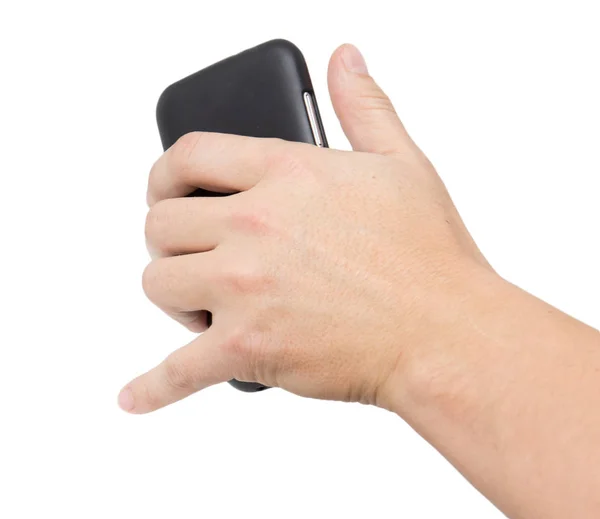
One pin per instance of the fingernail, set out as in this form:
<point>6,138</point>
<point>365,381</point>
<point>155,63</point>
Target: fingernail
<point>126,401</point>
<point>353,60</point>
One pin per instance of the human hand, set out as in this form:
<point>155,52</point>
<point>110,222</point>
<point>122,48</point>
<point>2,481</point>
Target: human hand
<point>326,270</point>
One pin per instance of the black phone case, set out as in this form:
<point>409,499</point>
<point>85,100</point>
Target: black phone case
<point>257,93</point>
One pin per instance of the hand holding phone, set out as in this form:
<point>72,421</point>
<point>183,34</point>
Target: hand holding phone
<point>264,91</point>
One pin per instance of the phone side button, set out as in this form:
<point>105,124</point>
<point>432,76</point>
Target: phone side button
<point>313,120</point>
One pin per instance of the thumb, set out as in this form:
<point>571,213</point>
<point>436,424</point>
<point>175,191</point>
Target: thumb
<point>365,112</point>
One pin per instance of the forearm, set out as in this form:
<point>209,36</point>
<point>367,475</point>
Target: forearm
<point>510,396</point>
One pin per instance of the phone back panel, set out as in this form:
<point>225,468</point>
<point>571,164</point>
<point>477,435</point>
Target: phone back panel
<point>257,93</point>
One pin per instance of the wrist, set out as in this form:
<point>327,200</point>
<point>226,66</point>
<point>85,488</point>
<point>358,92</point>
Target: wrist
<point>435,368</point>
<point>504,395</point>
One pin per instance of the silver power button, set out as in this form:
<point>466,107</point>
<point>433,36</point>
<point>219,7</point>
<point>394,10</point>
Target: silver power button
<point>313,120</point>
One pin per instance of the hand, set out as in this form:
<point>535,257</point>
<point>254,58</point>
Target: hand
<point>325,271</point>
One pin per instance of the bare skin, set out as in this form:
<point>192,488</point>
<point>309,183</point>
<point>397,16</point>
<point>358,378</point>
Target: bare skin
<point>350,276</point>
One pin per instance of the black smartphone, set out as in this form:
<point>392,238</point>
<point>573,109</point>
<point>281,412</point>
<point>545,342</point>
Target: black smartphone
<point>264,91</point>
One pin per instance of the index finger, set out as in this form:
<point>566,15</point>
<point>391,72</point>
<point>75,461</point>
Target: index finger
<point>217,162</point>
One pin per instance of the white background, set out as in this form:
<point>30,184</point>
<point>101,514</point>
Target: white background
<point>503,97</point>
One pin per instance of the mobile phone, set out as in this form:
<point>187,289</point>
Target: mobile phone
<point>264,91</point>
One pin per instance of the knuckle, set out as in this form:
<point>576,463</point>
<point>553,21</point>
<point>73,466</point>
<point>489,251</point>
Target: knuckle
<point>150,397</point>
<point>248,349</point>
<point>152,181</point>
<point>151,279</point>
<point>375,100</point>
<point>182,152</point>
<point>244,344</point>
<point>286,160</point>
<point>234,345</point>
<point>247,279</point>
<point>253,221</point>
<point>178,375</point>
<point>157,219</point>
